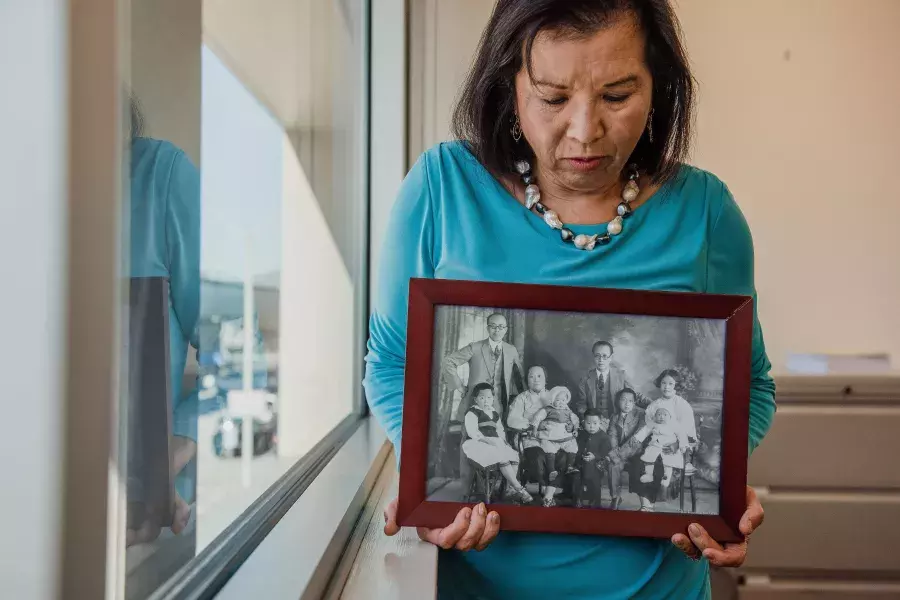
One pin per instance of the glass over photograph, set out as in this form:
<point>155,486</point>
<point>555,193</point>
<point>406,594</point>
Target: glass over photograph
<point>586,410</point>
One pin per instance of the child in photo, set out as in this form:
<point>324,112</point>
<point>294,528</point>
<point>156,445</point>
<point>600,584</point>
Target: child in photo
<point>555,427</point>
<point>666,440</point>
<point>594,445</point>
<point>487,444</point>
<point>627,421</point>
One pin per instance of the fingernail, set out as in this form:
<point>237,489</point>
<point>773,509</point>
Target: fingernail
<point>481,509</point>
<point>494,517</point>
<point>695,529</point>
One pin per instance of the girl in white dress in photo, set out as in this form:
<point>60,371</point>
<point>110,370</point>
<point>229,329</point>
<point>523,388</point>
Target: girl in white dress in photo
<point>487,445</point>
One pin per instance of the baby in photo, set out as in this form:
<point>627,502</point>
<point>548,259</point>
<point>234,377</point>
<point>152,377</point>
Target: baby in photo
<point>555,427</point>
<point>487,444</point>
<point>666,440</point>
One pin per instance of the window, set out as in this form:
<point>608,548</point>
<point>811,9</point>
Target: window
<point>244,249</point>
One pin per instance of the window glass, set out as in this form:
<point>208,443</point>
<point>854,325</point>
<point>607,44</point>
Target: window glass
<point>244,243</point>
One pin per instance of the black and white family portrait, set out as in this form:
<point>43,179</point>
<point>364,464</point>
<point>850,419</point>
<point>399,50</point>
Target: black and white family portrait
<point>553,408</point>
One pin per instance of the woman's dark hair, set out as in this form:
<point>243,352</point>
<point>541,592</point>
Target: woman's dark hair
<point>541,367</point>
<point>485,109</point>
<point>671,373</point>
<point>481,387</point>
<point>622,392</point>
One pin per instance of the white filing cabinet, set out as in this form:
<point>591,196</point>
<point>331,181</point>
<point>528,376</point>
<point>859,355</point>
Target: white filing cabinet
<point>828,474</point>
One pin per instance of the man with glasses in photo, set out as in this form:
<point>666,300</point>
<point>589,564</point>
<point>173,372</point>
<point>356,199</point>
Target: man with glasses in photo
<point>490,360</point>
<point>599,386</point>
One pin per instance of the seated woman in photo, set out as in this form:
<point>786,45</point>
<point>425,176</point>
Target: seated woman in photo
<point>669,383</point>
<point>667,442</point>
<point>521,412</point>
<point>487,445</point>
<point>555,427</point>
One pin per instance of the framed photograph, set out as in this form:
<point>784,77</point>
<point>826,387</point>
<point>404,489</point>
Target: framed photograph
<point>576,410</point>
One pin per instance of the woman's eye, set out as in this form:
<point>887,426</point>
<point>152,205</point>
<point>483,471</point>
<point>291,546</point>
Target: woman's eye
<point>614,99</point>
<point>555,101</point>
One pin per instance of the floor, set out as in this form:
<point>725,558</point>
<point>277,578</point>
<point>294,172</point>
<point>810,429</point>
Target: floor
<point>707,497</point>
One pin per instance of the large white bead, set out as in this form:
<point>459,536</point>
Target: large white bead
<point>585,242</point>
<point>522,166</point>
<point>631,191</point>
<point>615,226</point>
<point>552,219</point>
<point>532,195</point>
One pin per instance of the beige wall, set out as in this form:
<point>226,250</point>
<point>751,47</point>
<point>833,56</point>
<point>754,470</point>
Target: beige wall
<point>798,114</point>
<point>165,69</point>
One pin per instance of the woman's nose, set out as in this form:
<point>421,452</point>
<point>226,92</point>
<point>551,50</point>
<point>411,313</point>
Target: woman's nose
<point>585,125</point>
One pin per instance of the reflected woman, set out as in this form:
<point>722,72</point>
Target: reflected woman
<point>165,242</point>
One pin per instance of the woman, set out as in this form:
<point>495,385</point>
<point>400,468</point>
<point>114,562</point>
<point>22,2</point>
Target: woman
<point>556,426</point>
<point>669,383</point>
<point>165,242</point>
<point>521,412</point>
<point>580,90</point>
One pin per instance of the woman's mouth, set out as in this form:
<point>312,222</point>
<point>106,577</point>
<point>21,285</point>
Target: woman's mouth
<point>585,163</point>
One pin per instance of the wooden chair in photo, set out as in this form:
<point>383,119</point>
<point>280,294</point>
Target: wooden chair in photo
<point>687,477</point>
<point>483,481</point>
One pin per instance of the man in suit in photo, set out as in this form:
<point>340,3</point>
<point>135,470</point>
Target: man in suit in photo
<point>491,360</point>
<point>599,386</point>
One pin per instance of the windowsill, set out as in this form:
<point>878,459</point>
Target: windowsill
<point>298,556</point>
<point>401,566</point>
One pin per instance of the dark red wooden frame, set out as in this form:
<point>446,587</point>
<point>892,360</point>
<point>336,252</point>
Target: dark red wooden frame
<point>425,294</point>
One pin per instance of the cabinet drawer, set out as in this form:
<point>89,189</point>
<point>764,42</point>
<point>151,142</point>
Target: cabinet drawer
<point>829,447</point>
<point>840,532</point>
<point>799,589</point>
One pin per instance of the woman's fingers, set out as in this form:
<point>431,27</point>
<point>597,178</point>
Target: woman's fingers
<point>702,539</point>
<point>490,531</point>
<point>754,515</point>
<point>732,556</point>
<point>447,537</point>
<point>683,543</point>
<point>182,515</point>
<point>390,518</point>
<point>476,529</point>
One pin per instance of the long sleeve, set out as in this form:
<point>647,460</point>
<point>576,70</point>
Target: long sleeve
<point>730,271</point>
<point>581,401</point>
<point>407,252</point>
<point>452,362</point>
<point>183,255</point>
<point>516,418</point>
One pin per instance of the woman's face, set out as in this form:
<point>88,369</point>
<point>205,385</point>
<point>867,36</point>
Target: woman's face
<point>667,386</point>
<point>536,380</point>
<point>588,105</point>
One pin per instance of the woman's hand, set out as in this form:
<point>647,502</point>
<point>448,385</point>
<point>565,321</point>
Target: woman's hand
<point>473,529</point>
<point>732,555</point>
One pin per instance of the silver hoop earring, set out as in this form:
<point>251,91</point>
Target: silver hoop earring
<point>516,130</point>
<point>650,126</point>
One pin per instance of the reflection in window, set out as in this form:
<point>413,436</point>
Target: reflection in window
<point>246,274</point>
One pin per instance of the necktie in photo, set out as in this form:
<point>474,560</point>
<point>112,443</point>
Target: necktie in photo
<point>497,352</point>
<point>600,387</point>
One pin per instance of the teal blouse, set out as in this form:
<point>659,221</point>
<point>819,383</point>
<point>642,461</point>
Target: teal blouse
<point>453,220</point>
<point>165,242</point>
